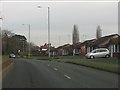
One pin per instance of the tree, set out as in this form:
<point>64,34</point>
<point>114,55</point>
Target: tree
<point>98,32</point>
<point>34,49</point>
<point>12,42</point>
<point>5,40</point>
<point>75,37</point>
<point>8,33</point>
<point>17,43</point>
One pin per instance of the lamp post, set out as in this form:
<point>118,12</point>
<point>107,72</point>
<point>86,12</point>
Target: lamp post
<point>29,39</point>
<point>49,44</point>
<point>1,21</point>
<point>1,27</point>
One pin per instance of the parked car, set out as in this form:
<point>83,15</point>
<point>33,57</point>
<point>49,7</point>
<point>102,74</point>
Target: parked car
<point>12,55</point>
<point>101,52</point>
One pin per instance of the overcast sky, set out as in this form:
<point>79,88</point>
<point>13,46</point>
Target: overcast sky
<point>63,15</point>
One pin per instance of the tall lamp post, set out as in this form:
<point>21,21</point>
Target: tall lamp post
<point>29,39</point>
<point>1,28</point>
<point>1,20</point>
<point>49,44</point>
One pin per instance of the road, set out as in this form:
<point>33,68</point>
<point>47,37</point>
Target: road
<point>53,74</point>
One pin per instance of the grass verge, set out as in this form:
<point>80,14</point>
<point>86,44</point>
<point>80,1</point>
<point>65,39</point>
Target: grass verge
<point>5,61</point>
<point>106,64</point>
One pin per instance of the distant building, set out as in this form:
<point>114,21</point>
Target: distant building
<point>44,49</point>
<point>98,32</point>
<point>75,34</point>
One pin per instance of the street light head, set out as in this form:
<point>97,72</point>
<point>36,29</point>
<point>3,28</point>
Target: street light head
<point>39,6</point>
<point>42,7</point>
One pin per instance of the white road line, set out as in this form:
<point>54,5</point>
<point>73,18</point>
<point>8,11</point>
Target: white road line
<point>67,76</point>
<point>55,69</point>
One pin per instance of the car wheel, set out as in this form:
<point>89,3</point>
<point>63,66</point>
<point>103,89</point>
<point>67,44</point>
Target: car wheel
<point>91,57</point>
<point>107,56</point>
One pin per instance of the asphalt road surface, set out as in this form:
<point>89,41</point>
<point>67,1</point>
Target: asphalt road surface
<point>52,74</point>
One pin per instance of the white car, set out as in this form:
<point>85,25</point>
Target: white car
<point>12,55</point>
<point>101,52</point>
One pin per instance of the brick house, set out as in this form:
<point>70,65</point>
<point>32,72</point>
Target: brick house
<point>87,46</point>
<point>64,50</point>
<point>112,42</point>
<point>76,48</point>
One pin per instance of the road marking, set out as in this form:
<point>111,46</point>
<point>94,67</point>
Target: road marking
<point>55,69</point>
<point>67,76</point>
<point>48,64</point>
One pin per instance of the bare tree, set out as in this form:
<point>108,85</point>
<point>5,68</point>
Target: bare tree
<point>12,42</point>
<point>5,38</point>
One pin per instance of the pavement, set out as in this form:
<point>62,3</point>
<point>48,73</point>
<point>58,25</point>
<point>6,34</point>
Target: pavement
<point>53,74</point>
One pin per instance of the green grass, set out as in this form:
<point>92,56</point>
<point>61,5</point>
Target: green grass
<point>5,58</point>
<point>107,64</point>
<point>38,58</point>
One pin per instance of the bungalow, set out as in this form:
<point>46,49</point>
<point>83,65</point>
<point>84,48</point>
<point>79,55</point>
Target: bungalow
<point>114,46</point>
<point>76,48</point>
<point>53,51</point>
<point>66,49</point>
<point>112,42</point>
<point>63,50</point>
<point>43,49</point>
<point>87,46</point>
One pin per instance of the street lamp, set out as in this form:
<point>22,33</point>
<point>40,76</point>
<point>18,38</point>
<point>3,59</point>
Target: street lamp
<point>1,26</point>
<point>29,38</point>
<point>49,44</point>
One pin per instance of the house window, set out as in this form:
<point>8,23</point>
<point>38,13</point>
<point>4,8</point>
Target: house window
<point>91,48</point>
<point>114,48</point>
<point>109,48</point>
<point>88,49</point>
<point>118,48</point>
